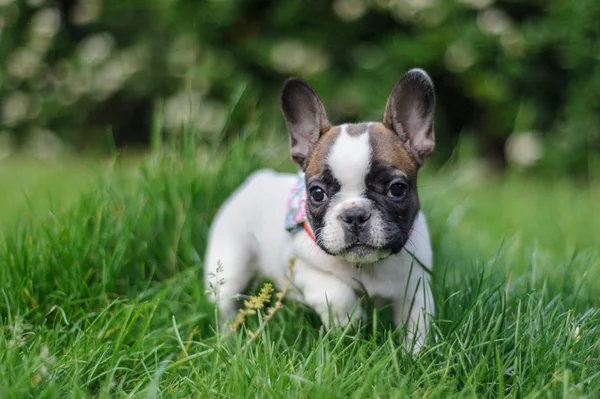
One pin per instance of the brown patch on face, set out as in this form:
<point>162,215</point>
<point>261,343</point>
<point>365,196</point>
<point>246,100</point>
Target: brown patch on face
<point>356,129</point>
<point>388,148</point>
<point>318,156</point>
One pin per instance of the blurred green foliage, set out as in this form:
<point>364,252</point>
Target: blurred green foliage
<point>526,71</point>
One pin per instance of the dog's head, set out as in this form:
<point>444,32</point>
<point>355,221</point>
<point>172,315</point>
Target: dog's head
<point>361,179</point>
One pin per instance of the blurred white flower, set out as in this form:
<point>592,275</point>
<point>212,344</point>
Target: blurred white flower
<point>432,17</point>
<point>43,143</point>
<point>407,9</point>
<point>44,352</point>
<point>349,10</point>
<point>180,108</point>
<point>108,80</point>
<point>85,11</point>
<point>6,2</point>
<point>493,21</point>
<point>23,63</point>
<point>45,22</point>
<point>95,49</point>
<point>14,108</point>
<point>111,76</point>
<point>190,109</point>
<point>133,58</point>
<point>16,332</point>
<point>211,117</point>
<point>384,3</point>
<point>523,148</point>
<point>459,57</point>
<point>477,4</point>
<point>512,42</point>
<point>419,5</point>
<point>182,55</point>
<point>291,56</point>
<point>403,13</point>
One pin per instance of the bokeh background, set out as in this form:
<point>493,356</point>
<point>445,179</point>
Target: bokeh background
<point>518,81</point>
<point>125,124</point>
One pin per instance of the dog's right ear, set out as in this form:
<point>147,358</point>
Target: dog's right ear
<point>305,117</point>
<point>409,113</point>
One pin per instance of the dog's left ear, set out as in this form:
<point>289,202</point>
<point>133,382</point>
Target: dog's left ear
<point>409,113</point>
<point>305,118</point>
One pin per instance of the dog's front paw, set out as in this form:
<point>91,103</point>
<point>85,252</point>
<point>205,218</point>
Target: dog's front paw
<point>415,331</point>
<point>337,306</point>
<point>334,301</point>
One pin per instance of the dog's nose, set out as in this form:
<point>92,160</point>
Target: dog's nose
<point>355,217</point>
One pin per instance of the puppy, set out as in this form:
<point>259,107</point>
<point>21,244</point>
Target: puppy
<point>351,218</point>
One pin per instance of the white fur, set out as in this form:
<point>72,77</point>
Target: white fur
<point>248,238</point>
<point>350,161</point>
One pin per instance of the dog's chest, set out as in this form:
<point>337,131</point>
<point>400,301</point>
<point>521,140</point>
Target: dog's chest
<point>386,279</point>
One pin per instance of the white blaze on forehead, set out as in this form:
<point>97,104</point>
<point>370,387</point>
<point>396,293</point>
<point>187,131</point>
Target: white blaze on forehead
<point>349,161</point>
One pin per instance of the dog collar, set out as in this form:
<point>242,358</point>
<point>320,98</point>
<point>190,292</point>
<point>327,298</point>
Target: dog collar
<point>296,215</point>
<point>309,231</point>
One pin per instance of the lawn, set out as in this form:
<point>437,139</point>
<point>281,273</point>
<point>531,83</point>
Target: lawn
<point>102,295</point>
<point>30,186</point>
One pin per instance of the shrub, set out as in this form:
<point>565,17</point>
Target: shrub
<point>86,67</point>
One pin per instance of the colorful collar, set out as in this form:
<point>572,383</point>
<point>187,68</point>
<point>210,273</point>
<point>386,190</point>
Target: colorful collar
<point>296,216</point>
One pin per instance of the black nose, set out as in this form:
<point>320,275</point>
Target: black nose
<point>355,217</point>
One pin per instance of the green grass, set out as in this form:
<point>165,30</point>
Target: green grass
<point>105,298</point>
<point>29,186</point>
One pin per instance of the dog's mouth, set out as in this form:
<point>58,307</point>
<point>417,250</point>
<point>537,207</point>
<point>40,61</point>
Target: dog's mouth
<point>362,253</point>
<point>359,246</point>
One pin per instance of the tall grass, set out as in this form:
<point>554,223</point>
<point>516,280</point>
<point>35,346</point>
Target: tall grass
<point>105,298</point>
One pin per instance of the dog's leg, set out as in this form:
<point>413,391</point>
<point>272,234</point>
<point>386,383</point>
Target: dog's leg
<point>413,311</point>
<point>229,269</point>
<point>225,284</point>
<point>330,297</point>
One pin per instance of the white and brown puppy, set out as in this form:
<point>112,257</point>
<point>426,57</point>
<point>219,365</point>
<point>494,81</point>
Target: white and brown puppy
<point>363,226</point>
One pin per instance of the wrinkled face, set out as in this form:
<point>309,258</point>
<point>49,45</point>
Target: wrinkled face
<point>361,178</point>
<point>361,192</point>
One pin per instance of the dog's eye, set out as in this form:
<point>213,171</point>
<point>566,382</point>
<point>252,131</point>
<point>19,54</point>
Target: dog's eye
<point>397,190</point>
<point>317,194</point>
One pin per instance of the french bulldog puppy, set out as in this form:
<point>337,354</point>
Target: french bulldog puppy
<point>351,218</point>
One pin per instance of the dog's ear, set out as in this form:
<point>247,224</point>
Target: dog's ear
<point>409,113</point>
<point>305,118</point>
